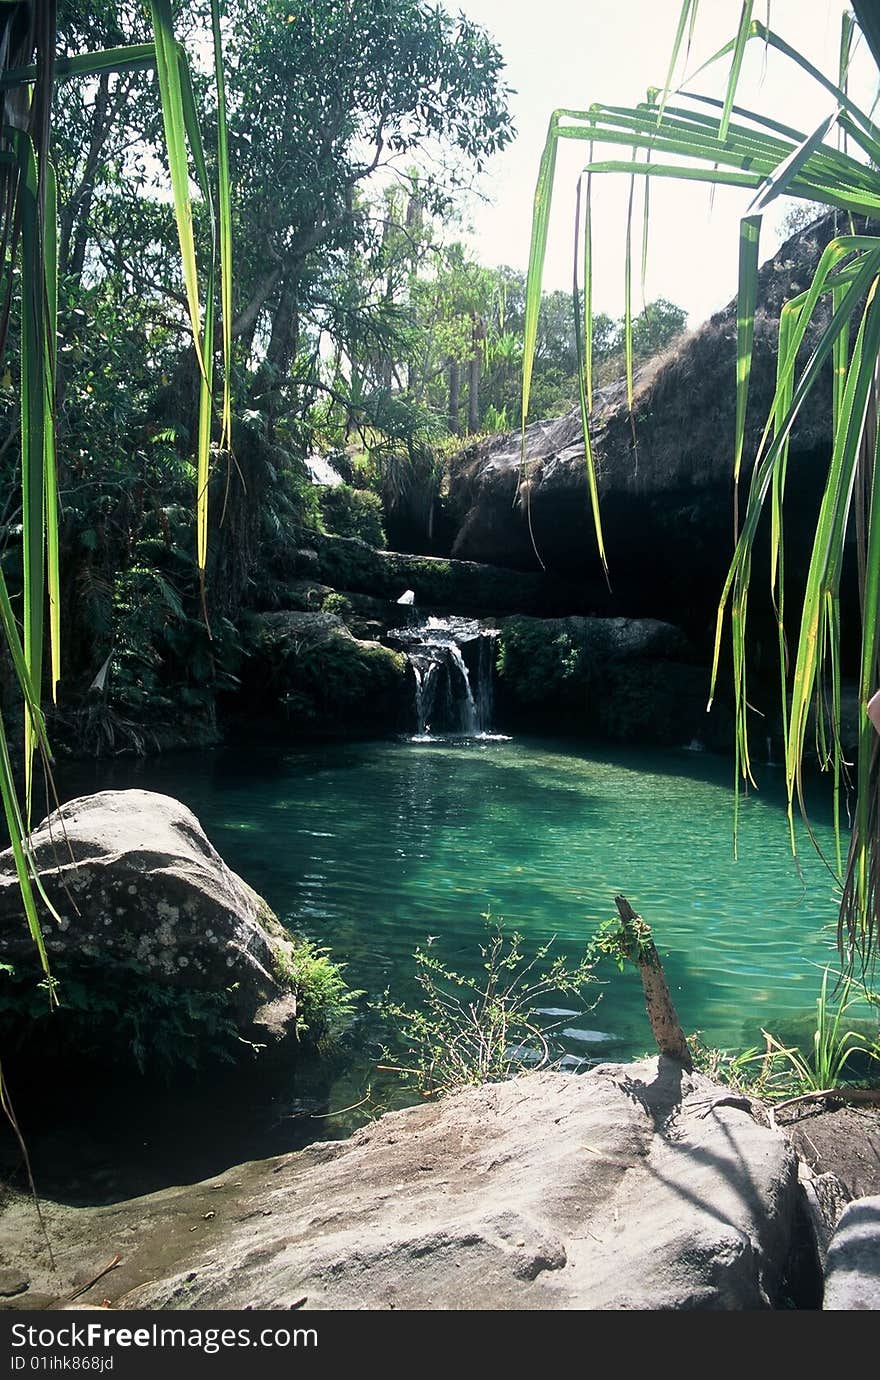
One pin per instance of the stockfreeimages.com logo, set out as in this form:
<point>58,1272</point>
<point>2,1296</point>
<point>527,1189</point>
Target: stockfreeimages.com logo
<point>98,1335</point>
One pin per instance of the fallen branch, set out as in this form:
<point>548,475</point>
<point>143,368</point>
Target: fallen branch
<point>866,1097</point>
<point>84,1288</point>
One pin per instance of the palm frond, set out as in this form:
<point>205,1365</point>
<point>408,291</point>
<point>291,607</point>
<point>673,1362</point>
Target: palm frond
<point>697,137</point>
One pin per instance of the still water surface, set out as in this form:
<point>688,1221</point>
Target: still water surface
<point>371,847</point>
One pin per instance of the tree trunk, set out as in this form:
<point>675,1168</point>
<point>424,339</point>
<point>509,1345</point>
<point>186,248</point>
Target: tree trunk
<point>474,395</point>
<point>454,390</point>
<point>284,337</point>
<point>639,947</point>
<point>479,334</point>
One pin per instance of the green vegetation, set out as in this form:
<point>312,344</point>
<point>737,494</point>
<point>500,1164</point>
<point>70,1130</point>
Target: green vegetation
<point>837,1057</point>
<point>317,673</point>
<point>349,512</point>
<point>325,1002</point>
<point>466,1031</point>
<point>119,1015</point>
<point>539,663</point>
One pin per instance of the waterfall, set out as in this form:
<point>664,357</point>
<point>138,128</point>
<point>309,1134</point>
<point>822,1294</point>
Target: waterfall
<point>452,662</point>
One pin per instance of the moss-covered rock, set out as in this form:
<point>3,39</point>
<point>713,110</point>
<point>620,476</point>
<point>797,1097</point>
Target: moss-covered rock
<point>159,953</point>
<point>617,679</point>
<point>308,668</point>
<point>444,586</point>
<point>349,512</point>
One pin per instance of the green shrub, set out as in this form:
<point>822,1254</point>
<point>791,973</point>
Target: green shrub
<point>538,662</point>
<point>349,512</point>
<point>467,1031</point>
<point>327,678</point>
<point>118,1014</point>
<point>326,1003</point>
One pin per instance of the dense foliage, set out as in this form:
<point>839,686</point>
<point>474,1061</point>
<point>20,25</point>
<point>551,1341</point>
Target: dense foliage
<point>360,326</point>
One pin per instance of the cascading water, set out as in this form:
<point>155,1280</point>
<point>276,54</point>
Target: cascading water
<point>452,661</point>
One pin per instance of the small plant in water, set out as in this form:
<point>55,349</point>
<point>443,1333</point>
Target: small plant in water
<point>468,1031</point>
<point>745,1071</point>
<point>832,1046</point>
<point>786,1071</point>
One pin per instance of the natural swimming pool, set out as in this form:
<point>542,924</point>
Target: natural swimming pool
<point>371,847</point>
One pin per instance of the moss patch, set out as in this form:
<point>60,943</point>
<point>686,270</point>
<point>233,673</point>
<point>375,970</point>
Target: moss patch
<point>310,669</point>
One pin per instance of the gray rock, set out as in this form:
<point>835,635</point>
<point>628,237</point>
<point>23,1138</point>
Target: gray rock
<point>625,1188</point>
<point>12,1283</point>
<point>824,1198</point>
<point>141,896</point>
<point>852,1266</point>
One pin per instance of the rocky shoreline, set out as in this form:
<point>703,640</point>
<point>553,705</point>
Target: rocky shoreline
<point>632,1187</point>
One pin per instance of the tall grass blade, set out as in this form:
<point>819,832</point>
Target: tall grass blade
<point>583,396</point>
<point>50,467</point>
<point>749,242</point>
<point>627,297</point>
<point>787,173</point>
<point>739,49</point>
<point>832,519</point>
<point>686,20</point>
<point>537,252</point>
<point>16,829</point>
<point>224,207</point>
<point>35,390</point>
<point>206,381</point>
<point>129,58</point>
<point>168,72</point>
<point>588,292</point>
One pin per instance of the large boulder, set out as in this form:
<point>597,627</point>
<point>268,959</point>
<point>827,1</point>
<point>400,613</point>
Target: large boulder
<point>852,1266</point>
<point>308,668</point>
<point>159,950</point>
<point>631,1187</point>
<point>664,473</point>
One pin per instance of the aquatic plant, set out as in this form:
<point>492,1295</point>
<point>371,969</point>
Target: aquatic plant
<point>832,1045</point>
<point>466,1031</point>
<point>834,323</point>
<point>788,1071</point>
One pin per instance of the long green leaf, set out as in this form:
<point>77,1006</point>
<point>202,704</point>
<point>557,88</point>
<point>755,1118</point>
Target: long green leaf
<point>786,174</point>
<point>35,389</point>
<point>749,241</point>
<point>133,57</point>
<point>627,296</point>
<point>15,828</point>
<point>206,381</point>
<point>50,467</point>
<point>687,15</point>
<point>583,395</point>
<point>830,526</point>
<point>168,71</point>
<point>588,293</point>
<point>739,48</point>
<point>537,252</point>
<point>224,200</point>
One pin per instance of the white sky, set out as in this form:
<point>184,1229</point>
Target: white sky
<point>574,52</point>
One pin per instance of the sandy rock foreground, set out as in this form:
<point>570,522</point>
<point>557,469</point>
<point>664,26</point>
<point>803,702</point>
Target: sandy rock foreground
<point>632,1187</point>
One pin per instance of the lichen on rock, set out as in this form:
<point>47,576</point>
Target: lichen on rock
<point>160,952</point>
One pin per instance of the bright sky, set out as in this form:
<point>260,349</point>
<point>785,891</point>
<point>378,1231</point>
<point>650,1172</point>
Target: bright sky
<point>574,52</point>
